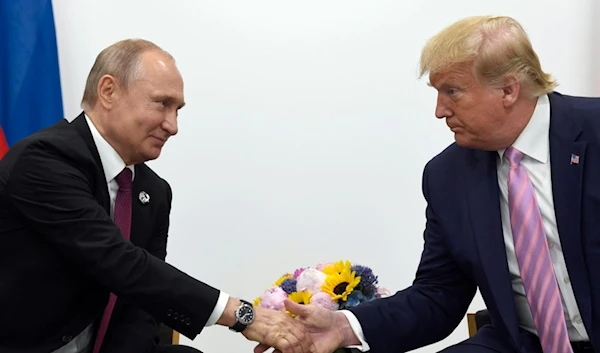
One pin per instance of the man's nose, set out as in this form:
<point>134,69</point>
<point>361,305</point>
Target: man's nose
<point>170,124</point>
<point>441,110</point>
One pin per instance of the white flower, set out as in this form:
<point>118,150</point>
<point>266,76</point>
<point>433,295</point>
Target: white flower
<point>310,280</point>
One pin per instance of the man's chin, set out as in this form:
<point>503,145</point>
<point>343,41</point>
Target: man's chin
<point>473,144</point>
<point>152,154</point>
<point>464,141</point>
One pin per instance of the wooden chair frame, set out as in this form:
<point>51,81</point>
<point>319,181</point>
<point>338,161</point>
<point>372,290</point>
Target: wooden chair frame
<point>472,324</point>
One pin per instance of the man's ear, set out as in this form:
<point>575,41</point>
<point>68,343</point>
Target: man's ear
<point>510,91</point>
<point>108,91</point>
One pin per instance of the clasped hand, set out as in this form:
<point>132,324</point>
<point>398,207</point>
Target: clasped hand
<point>314,329</point>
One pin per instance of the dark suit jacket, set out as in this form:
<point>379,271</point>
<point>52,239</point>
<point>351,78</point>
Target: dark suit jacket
<point>61,254</point>
<point>464,245</point>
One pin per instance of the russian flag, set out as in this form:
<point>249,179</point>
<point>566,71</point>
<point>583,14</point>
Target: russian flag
<point>30,92</point>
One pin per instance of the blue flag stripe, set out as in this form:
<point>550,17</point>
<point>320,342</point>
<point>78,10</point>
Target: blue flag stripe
<point>30,91</point>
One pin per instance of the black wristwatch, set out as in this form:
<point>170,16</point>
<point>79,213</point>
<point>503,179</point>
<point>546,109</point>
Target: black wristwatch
<point>244,315</point>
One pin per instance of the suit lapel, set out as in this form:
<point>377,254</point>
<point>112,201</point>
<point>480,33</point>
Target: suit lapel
<point>484,203</point>
<point>80,124</point>
<point>141,212</point>
<point>567,188</point>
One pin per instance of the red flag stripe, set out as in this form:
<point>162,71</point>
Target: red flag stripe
<point>3,144</point>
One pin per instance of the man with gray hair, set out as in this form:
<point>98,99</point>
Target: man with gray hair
<point>512,210</point>
<point>84,224</point>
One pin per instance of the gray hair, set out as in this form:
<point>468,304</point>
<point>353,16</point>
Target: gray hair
<point>121,60</point>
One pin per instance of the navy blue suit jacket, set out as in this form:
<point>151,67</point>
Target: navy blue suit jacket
<point>464,246</point>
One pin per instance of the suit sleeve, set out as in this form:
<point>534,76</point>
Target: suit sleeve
<point>135,330</point>
<point>54,196</point>
<point>430,309</point>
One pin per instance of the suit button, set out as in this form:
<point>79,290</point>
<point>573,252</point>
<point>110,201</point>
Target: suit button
<point>169,312</point>
<point>187,321</point>
<point>67,338</point>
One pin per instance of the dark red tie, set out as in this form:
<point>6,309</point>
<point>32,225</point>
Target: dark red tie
<point>123,220</point>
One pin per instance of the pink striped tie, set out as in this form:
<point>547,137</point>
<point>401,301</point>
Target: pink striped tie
<point>123,220</point>
<point>534,260</point>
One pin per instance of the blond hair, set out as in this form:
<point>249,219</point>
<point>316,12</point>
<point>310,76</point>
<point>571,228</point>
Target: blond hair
<point>121,60</point>
<point>496,46</point>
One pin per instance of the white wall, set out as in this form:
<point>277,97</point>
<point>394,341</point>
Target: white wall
<point>306,129</point>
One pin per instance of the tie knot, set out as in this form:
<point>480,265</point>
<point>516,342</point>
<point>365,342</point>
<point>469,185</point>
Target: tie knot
<point>124,179</point>
<point>514,156</point>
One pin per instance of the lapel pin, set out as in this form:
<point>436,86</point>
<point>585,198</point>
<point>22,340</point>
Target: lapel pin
<point>574,159</point>
<point>144,197</point>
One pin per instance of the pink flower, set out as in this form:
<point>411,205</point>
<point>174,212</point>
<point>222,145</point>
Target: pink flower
<point>322,265</point>
<point>298,272</point>
<point>273,298</point>
<point>383,292</point>
<point>324,300</point>
<point>310,280</point>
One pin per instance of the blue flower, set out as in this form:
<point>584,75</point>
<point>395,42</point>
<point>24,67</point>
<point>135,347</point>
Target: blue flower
<point>289,285</point>
<point>368,281</point>
<point>355,298</point>
<point>371,297</point>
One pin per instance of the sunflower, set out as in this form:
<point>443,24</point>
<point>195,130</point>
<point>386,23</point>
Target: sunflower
<point>337,267</point>
<point>340,285</point>
<point>301,297</point>
<point>283,278</point>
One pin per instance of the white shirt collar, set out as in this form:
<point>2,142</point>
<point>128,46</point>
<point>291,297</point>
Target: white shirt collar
<point>533,141</point>
<point>112,163</point>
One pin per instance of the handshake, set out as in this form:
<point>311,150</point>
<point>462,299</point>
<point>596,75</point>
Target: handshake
<point>298,313</point>
<point>312,329</point>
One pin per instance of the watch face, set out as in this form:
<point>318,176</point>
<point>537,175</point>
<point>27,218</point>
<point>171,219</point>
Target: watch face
<point>246,314</point>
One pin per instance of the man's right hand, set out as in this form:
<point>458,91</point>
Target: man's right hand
<point>329,330</point>
<point>272,328</point>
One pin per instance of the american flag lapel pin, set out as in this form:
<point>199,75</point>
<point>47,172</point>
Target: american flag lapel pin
<point>574,159</point>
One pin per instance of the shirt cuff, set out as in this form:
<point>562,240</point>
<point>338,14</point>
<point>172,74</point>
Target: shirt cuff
<point>218,309</point>
<point>358,332</point>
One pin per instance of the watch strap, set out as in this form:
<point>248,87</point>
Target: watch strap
<point>238,327</point>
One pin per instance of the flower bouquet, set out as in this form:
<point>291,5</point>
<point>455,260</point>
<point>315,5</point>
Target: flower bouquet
<point>334,286</point>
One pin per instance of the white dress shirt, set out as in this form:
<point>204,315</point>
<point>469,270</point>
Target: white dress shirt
<point>534,143</point>
<point>113,164</point>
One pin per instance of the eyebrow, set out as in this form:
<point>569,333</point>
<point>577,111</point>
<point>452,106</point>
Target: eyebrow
<point>169,99</point>
<point>451,82</point>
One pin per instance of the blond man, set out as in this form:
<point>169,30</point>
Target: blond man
<point>512,210</point>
